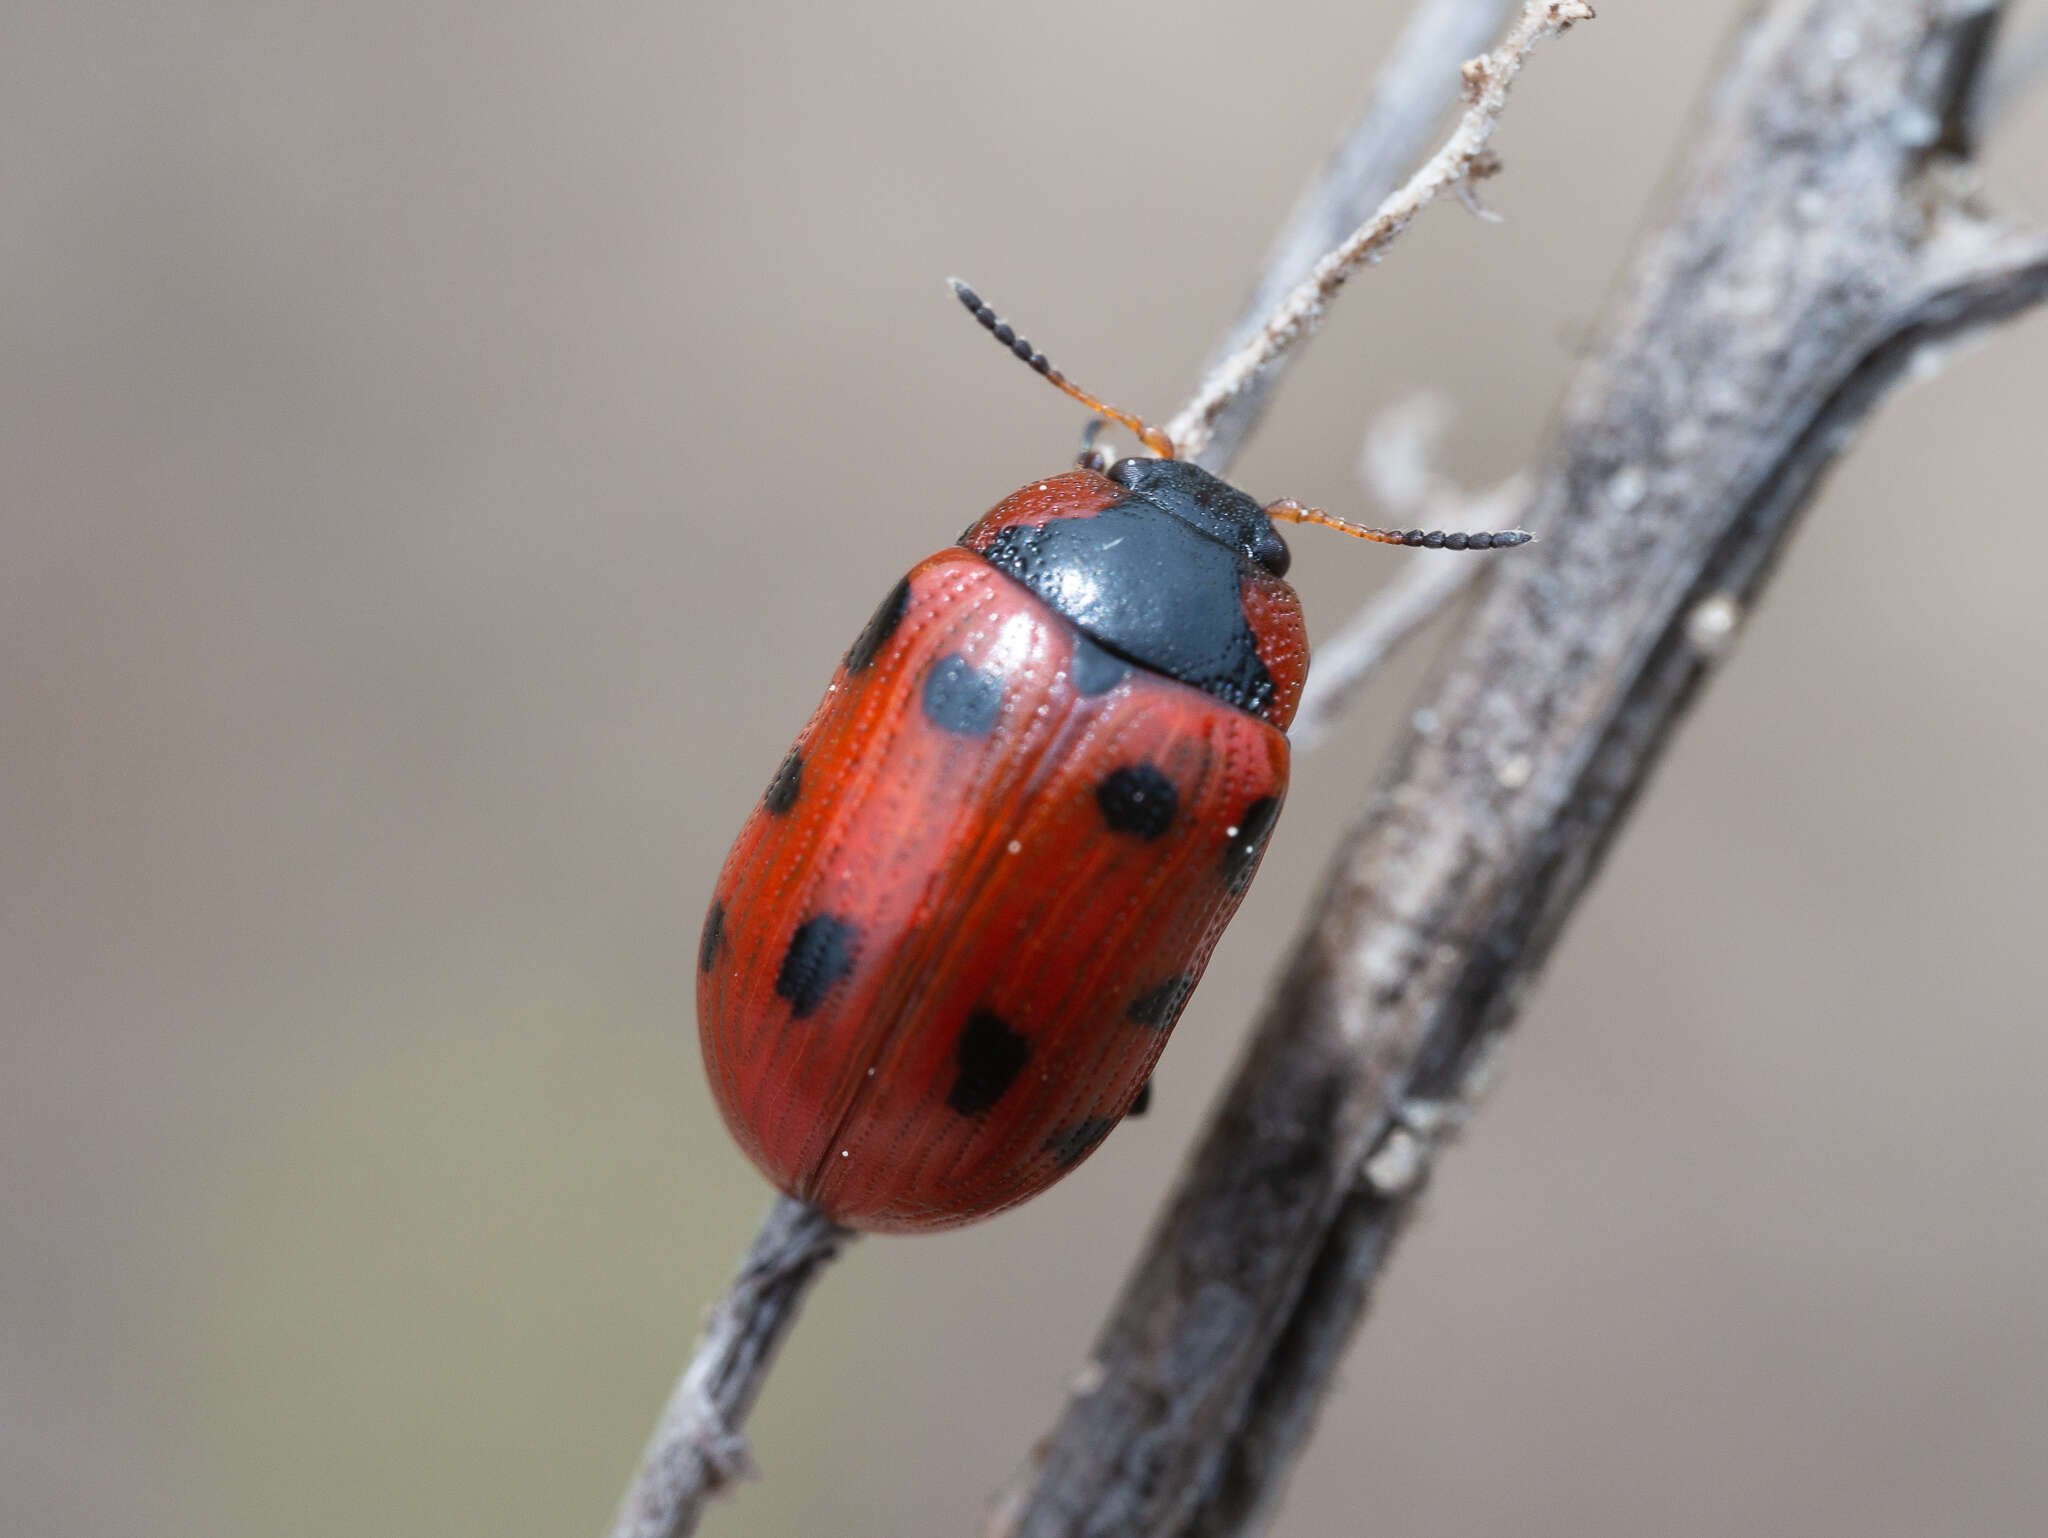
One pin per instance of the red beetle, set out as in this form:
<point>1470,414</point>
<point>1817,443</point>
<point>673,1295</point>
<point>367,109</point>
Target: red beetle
<point>954,935</point>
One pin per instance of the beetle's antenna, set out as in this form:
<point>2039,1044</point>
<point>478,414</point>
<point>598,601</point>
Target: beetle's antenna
<point>1290,511</point>
<point>1150,436</point>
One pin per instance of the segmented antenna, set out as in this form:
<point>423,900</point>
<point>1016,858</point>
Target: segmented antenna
<point>1150,436</point>
<point>1290,511</point>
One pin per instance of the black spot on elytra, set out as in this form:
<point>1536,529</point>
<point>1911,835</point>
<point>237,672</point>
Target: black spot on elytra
<point>1138,798</point>
<point>713,936</point>
<point>787,785</point>
<point>819,954</point>
<point>875,635</point>
<point>1096,669</point>
<point>1159,1007</point>
<point>1143,1103</point>
<point>1070,1145</point>
<point>1254,827</point>
<point>960,698</point>
<point>989,1056</point>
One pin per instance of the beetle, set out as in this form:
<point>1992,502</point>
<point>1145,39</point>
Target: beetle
<point>952,938</point>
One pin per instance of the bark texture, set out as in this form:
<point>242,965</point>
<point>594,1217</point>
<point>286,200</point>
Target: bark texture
<point>697,1449</point>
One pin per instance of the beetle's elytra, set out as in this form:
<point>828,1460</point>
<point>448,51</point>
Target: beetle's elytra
<point>956,931</point>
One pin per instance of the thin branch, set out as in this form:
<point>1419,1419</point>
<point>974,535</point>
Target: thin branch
<point>1353,657</point>
<point>697,1449</point>
<point>1816,259</point>
<point>1400,468</point>
<point>1461,159</point>
<point>1381,147</point>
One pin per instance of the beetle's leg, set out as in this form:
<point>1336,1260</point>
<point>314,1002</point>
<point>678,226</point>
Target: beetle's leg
<point>1092,455</point>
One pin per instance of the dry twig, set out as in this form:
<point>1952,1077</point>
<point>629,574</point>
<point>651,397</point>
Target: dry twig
<point>1351,658</point>
<point>1379,149</point>
<point>1399,465</point>
<point>1487,79</point>
<point>697,1449</point>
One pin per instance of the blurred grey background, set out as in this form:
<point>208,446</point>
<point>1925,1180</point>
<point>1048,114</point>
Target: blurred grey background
<point>445,448</point>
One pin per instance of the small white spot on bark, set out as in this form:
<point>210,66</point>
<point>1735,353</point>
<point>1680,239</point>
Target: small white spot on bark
<point>1914,126</point>
<point>1396,1166</point>
<point>1431,1118</point>
<point>1352,1021</point>
<point>1712,624</point>
<point>1383,963</point>
<point>1625,488</point>
<point>1514,773</point>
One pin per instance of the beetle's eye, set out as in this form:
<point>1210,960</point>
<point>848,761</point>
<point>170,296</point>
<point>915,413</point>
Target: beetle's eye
<point>1125,471</point>
<point>1271,552</point>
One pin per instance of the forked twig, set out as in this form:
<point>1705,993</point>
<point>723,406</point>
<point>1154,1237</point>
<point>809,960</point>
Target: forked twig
<point>1399,465</point>
<point>1378,151</point>
<point>1487,80</point>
